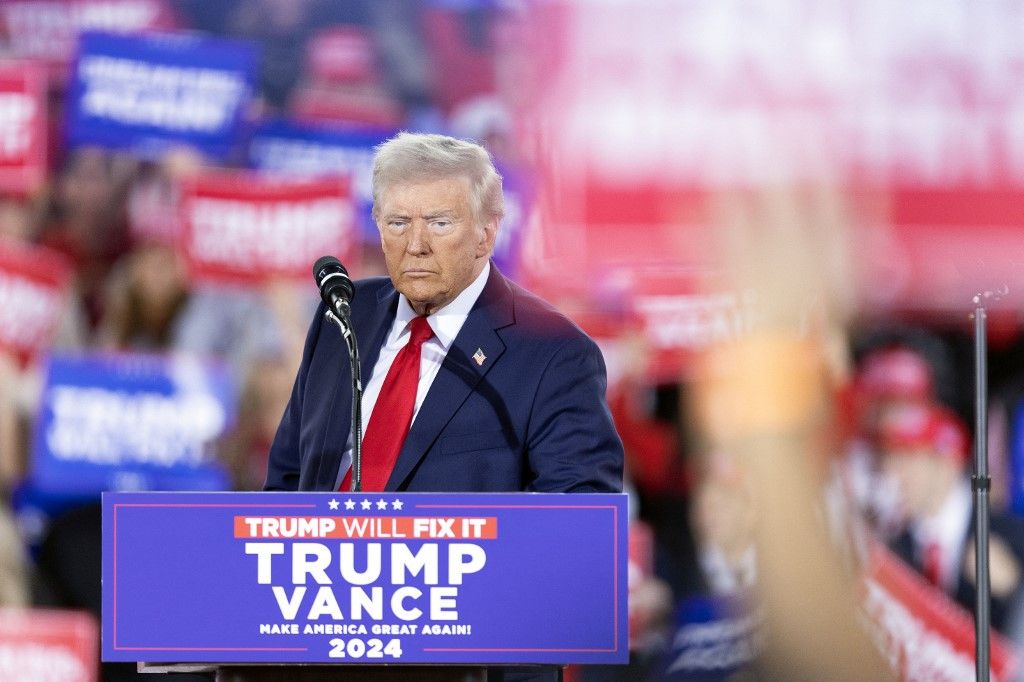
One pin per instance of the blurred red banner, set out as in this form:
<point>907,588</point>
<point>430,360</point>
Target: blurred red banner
<point>34,284</point>
<point>41,645</point>
<point>22,127</point>
<point>925,635</point>
<point>243,227</point>
<point>48,29</point>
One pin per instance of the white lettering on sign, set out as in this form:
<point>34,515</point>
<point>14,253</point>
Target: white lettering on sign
<point>692,320</point>
<point>284,234</point>
<point>104,426</point>
<point>187,99</point>
<point>28,311</point>
<point>37,28</point>
<point>309,159</point>
<point>16,113</point>
<point>726,91</point>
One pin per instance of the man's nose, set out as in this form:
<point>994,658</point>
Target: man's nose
<point>419,239</point>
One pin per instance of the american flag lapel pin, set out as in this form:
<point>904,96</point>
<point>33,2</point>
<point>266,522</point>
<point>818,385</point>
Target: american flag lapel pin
<point>479,357</point>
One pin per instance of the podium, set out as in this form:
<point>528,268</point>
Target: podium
<point>310,586</point>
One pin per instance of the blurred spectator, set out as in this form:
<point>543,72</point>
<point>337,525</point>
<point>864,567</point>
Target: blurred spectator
<point>261,404</point>
<point>925,449</point>
<point>146,294</point>
<point>87,222</point>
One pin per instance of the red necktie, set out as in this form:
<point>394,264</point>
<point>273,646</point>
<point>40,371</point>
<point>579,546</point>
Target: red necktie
<point>392,414</point>
<point>933,564</point>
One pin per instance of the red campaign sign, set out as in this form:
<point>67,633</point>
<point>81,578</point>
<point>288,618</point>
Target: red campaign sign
<point>47,29</point>
<point>33,286</point>
<point>925,635</point>
<point>675,311</point>
<point>22,127</point>
<point>242,227</point>
<point>47,645</point>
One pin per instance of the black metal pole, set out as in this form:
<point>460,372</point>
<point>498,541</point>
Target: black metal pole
<point>981,482</point>
<point>345,326</point>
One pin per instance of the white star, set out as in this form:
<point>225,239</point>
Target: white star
<point>397,504</point>
<point>349,504</point>
<point>365,504</point>
<point>381,504</point>
<point>333,504</point>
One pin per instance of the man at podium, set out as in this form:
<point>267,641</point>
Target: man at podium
<point>471,383</point>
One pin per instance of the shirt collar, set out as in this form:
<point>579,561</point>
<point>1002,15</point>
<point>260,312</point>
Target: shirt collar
<point>948,523</point>
<point>446,322</point>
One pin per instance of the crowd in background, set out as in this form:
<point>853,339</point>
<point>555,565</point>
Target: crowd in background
<point>902,440</point>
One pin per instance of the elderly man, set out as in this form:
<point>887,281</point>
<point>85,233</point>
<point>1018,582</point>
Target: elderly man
<point>471,382</point>
<point>925,448</point>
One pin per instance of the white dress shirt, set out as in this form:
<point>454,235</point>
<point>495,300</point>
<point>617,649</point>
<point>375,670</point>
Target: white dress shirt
<point>948,528</point>
<point>445,324</point>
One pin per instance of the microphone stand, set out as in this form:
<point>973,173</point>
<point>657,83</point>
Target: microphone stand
<point>345,327</point>
<point>981,482</point>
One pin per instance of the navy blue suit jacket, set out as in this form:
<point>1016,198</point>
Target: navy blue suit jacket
<point>532,417</point>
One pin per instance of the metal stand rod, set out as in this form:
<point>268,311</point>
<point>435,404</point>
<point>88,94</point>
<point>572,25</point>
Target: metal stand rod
<point>347,333</point>
<point>981,483</point>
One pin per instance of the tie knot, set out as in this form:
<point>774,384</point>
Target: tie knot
<point>420,330</point>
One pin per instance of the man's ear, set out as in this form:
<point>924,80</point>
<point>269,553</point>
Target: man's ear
<point>488,234</point>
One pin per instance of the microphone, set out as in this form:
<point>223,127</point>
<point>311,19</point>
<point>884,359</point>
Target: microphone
<point>335,286</point>
<point>337,291</point>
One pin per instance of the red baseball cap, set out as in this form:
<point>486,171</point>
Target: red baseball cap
<point>924,426</point>
<point>894,372</point>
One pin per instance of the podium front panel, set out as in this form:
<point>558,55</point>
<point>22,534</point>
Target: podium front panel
<point>363,579</point>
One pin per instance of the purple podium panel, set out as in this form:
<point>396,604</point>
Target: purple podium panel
<point>364,578</point>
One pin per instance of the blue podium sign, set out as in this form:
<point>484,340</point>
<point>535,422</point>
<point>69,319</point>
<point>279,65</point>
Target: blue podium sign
<point>364,578</point>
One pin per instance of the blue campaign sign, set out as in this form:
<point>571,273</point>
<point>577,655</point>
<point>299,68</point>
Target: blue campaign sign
<point>146,94</point>
<point>716,636</point>
<point>1017,459</point>
<point>130,422</point>
<point>291,148</point>
<point>364,578</point>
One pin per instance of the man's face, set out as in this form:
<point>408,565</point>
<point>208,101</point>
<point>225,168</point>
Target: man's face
<point>433,245</point>
<point>923,478</point>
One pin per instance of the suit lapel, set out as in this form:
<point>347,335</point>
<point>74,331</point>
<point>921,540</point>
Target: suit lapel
<point>459,374</point>
<point>377,321</point>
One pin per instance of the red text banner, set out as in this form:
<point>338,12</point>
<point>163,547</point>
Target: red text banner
<point>48,646</point>
<point>22,127</point>
<point>33,288</point>
<point>243,227</point>
<point>924,634</point>
<point>355,527</point>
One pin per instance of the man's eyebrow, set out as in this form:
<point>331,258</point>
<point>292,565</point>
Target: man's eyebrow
<point>444,213</point>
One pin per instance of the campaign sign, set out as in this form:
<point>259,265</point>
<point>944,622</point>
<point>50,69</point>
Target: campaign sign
<point>716,637</point>
<point>1017,459</point>
<point>285,147</point>
<point>22,127</point>
<point>135,422</point>
<point>245,228</point>
<point>924,634</point>
<point>44,645</point>
<point>150,93</point>
<point>47,29</point>
<point>377,578</point>
<point>33,286</point>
